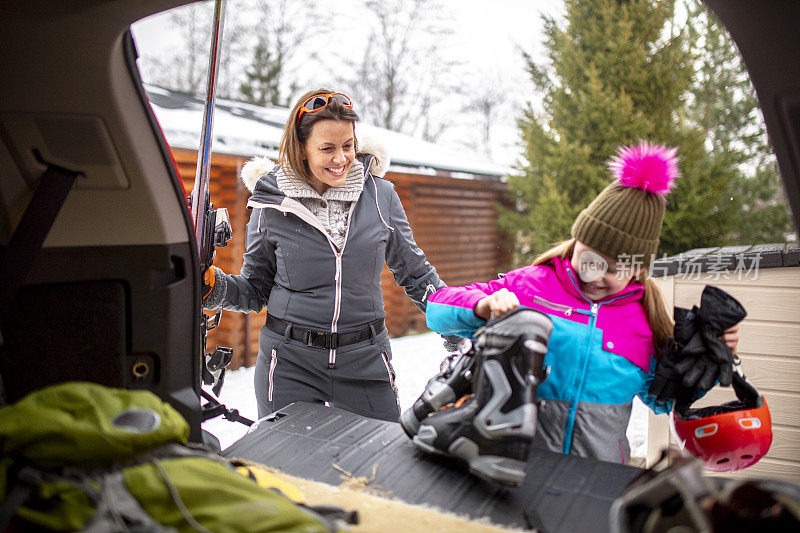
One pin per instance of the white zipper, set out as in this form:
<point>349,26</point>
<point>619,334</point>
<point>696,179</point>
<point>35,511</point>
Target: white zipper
<point>337,300</point>
<point>272,364</point>
<point>289,205</point>
<point>337,296</point>
<point>567,310</point>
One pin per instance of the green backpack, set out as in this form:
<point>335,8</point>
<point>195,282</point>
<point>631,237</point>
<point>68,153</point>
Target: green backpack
<point>83,457</point>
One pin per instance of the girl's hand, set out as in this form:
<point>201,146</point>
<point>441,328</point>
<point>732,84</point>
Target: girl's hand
<point>731,337</point>
<point>496,304</point>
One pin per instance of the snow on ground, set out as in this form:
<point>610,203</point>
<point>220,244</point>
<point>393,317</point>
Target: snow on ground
<point>416,359</point>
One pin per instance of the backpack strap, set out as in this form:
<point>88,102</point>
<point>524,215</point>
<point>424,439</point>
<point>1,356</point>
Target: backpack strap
<point>118,511</point>
<point>24,483</point>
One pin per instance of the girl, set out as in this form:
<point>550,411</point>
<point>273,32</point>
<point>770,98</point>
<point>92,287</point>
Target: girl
<point>609,317</point>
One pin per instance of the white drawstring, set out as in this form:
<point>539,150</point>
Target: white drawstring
<point>378,206</point>
<point>430,289</point>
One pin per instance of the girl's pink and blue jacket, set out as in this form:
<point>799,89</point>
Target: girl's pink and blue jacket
<point>600,355</point>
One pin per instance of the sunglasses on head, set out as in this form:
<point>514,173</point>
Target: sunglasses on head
<point>320,101</point>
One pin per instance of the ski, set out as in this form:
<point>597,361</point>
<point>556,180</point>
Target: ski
<point>211,230</point>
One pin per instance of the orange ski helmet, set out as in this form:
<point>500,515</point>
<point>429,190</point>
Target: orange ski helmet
<point>726,437</point>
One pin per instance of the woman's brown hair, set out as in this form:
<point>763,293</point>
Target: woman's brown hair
<point>654,306</point>
<point>291,153</point>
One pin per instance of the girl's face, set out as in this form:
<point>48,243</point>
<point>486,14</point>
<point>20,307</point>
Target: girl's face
<point>599,275</point>
<point>329,152</point>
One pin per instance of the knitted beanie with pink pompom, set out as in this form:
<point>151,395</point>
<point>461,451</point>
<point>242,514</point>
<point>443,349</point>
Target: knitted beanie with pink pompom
<point>624,220</point>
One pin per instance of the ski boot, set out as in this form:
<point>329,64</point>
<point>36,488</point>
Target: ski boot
<point>454,380</point>
<point>493,431</point>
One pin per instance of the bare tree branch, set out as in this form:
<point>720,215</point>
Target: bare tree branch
<point>401,76</point>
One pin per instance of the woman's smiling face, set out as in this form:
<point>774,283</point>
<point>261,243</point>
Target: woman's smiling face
<point>330,152</point>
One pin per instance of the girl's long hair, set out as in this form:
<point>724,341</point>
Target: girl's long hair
<point>655,308</point>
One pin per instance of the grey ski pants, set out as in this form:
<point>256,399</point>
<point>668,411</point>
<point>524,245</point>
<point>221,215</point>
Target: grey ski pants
<point>362,381</point>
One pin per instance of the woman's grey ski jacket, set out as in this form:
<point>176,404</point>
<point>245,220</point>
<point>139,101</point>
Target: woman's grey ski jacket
<point>292,266</point>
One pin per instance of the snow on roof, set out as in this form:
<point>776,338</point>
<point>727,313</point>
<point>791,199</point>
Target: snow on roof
<point>249,130</point>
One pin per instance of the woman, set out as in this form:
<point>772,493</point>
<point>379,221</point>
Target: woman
<point>323,225</point>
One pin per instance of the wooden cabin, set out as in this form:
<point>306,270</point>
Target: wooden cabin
<point>450,197</point>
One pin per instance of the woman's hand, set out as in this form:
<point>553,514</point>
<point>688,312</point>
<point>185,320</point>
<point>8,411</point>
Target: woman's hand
<point>731,337</point>
<point>497,304</point>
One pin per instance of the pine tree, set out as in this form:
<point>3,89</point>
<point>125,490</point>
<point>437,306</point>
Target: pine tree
<point>618,72</point>
<point>289,32</point>
<point>725,106</point>
<point>262,79</point>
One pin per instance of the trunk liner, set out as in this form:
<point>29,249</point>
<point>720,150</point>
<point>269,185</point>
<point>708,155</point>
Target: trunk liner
<point>560,492</point>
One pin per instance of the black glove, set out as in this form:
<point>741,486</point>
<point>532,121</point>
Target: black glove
<point>719,310</point>
<point>685,328</point>
<point>714,363</point>
<point>667,382</point>
<point>704,359</point>
<point>696,359</point>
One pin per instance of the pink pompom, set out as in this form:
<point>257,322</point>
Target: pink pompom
<point>651,168</point>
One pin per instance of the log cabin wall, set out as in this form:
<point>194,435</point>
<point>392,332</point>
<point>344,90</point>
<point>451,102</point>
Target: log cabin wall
<point>455,223</point>
<point>226,191</point>
<point>453,220</point>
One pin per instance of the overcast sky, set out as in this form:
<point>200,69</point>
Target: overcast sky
<point>487,38</point>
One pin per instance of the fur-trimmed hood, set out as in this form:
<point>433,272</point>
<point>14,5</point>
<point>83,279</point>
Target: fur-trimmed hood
<point>257,167</point>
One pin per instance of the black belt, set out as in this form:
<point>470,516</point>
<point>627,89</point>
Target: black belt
<point>325,339</point>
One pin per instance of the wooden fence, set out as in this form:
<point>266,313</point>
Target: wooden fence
<point>453,220</point>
